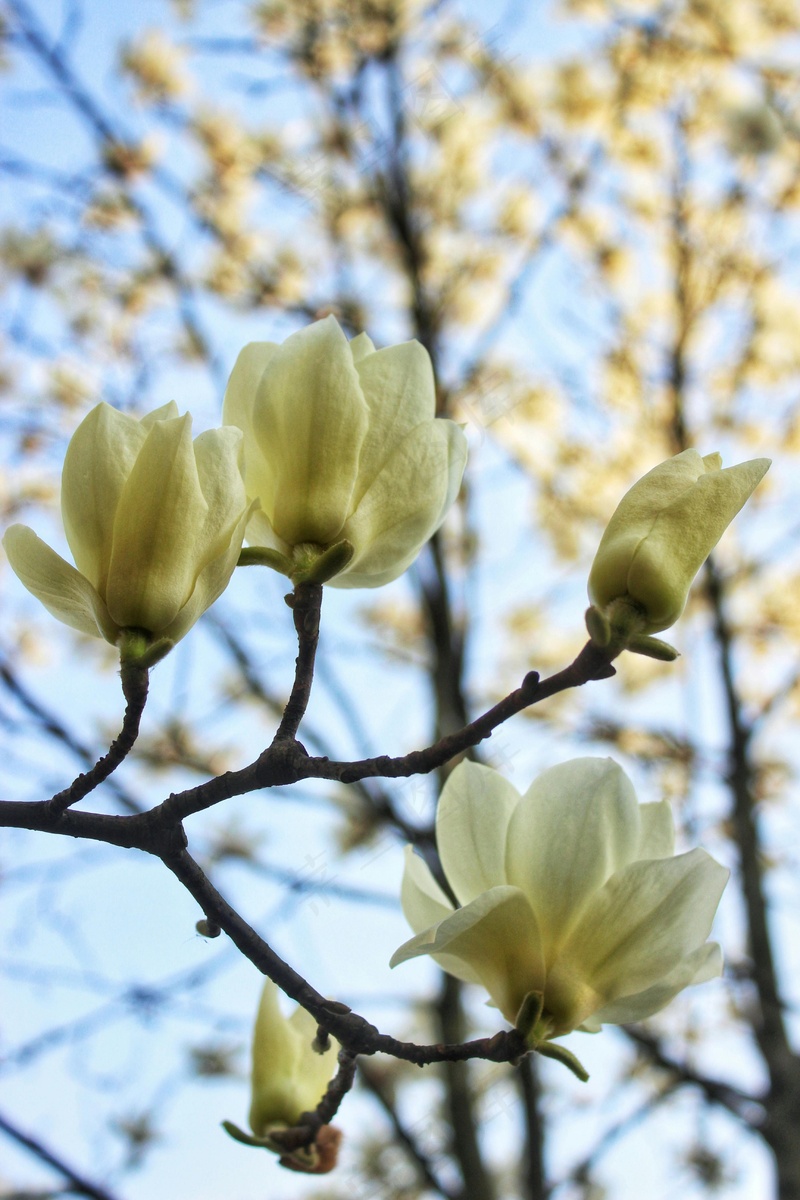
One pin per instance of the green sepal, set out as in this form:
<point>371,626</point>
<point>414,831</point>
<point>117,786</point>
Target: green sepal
<point>264,556</point>
<point>267,1142</point>
<point>529,1015</point>
<point>562,1055</point>
<point>652,647</point>
<point>247,1139</point>
<point>318,566</point>
<point>137,649</point>
<point>597,626</point>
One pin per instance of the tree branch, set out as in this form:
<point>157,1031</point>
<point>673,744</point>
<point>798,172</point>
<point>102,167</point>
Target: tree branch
<point>354,1032</point>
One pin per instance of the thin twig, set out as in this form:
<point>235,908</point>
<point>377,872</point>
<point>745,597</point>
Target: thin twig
<point>749,1109</point>
<point>77,1183</point>
<point>134,687</point>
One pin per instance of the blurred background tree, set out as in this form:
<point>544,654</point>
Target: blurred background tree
<point>588,213</point>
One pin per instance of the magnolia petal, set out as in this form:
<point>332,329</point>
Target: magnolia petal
<point>261,533</point>
<point>311,417</point>
<point>218,454</point>
<point>471,825</point>
<point>698,967</point>
<point>682,537</point>
<point>424,905</point>
<point>642,923</point>
<point>99,459</point>
<point>456,462</point>
<point>153,562</point>
<point>577,825</point>
<point>211,582</point>
<point>497,938</point>
<point>165,412</point>
<point>361,346</point>
<point>400,392</point>
<point>656,831</point>
<point>63,591</point>
<point>314,1071</point>
<point>276,1054</point>
<point>423,901</point>
<point>405,504</point>
<point>238,409</point>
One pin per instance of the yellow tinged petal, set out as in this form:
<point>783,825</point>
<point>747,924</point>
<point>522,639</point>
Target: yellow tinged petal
<point>682,537</point>
<point>311,417</point>
<point>646,919</point>
<point>404,506</point>
<point>276,1052</point>
<point>361,346</point>
<point>314,1071</point>
<point>238,410</point>
<point>165,412</point>
<point>423,901</point>
<point>399,389</point>
<point>153,564</point>
<point>288,1076</point>
<point>62,590</point>
<point>497,938</point>
<point>577,824</point>
<point>663,530</point>
<point>99,459</point>
<point>219,457</point>
<point>211,582</point>
<point>656,831</point>
<point>700,966</point>
<point>472,820</point>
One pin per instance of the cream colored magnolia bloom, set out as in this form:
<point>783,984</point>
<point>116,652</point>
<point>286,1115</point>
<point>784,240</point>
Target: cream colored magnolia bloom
<point>344,453</point>
<point>660,535</point>
<point>574,910</point>
<point>154,521</point>
<point>289,1077</point>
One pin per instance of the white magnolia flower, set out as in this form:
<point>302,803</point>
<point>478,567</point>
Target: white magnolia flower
<point>154,521</point>
<point>659,536</point>
<point>344,453</point>
<point>575,913</point>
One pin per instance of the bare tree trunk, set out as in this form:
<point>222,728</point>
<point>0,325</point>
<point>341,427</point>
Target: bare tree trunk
<point>459,1098</point>
<point>533,1184</point>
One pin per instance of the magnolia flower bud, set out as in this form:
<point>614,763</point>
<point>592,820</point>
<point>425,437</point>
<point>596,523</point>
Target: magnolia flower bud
<point>353,471</point>
<point>663,530</point>
<point>155,523</point>
<point>574,911</point>
<point>290,1077</point>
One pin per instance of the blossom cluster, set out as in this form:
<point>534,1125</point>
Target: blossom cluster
<point>568,904</point>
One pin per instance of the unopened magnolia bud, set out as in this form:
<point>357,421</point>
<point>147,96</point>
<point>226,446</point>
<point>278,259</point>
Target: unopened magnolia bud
<point>289,1078</point>
<point>663,530</point>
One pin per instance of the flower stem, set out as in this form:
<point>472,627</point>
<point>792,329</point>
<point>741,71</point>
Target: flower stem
<point>135,683</point>
<point>305,604</point>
